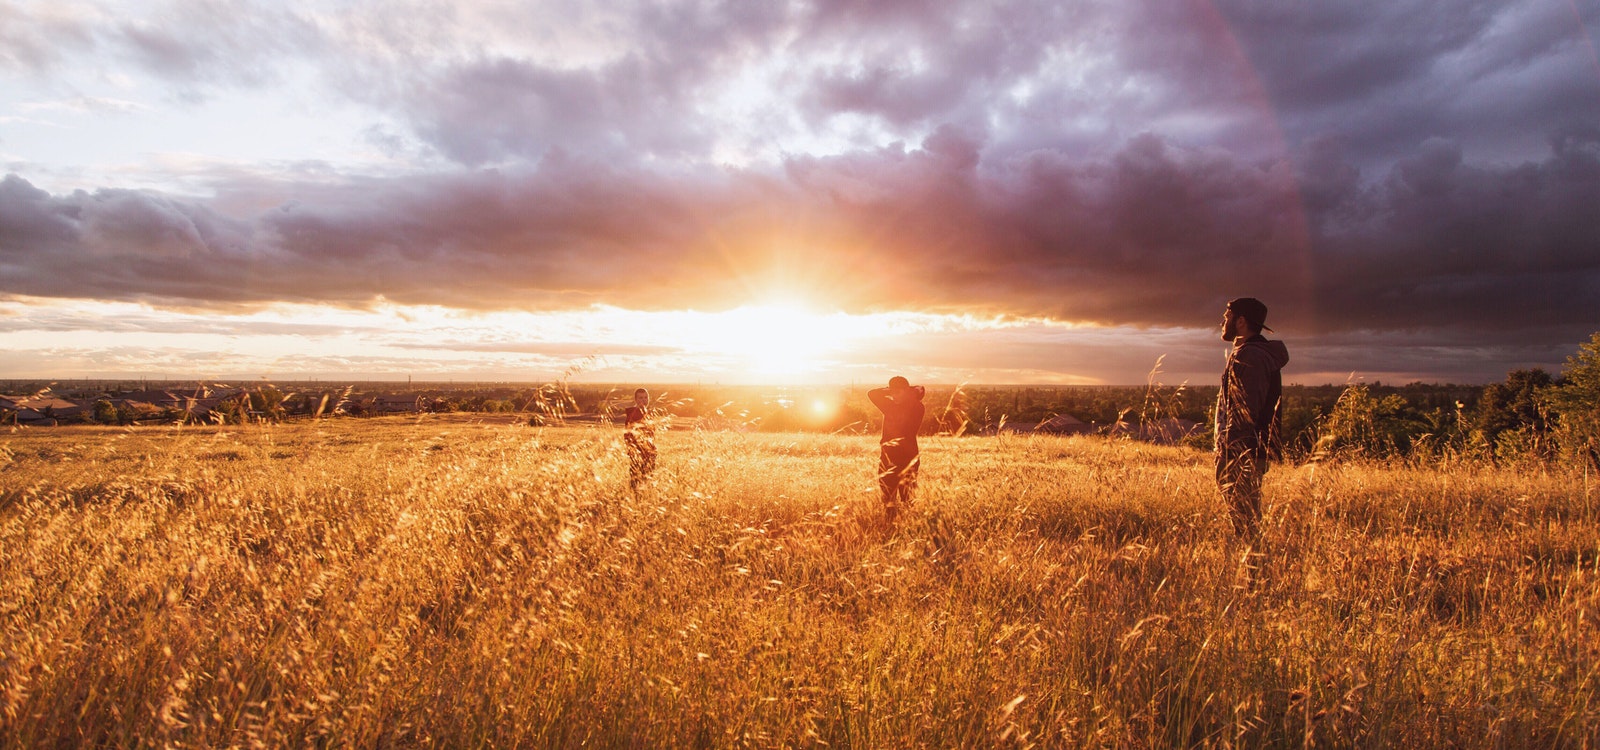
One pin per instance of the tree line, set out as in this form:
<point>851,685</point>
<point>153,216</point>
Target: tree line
<point>1532,414</point>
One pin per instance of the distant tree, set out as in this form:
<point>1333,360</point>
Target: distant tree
<point>234,410</point>
<point>1576,401</point>
<point>1364,424</point>
<point>1512,417</point>
<point>952,419</point>
<point>104,412</point>
<point>1298,427</point>
<point>267,403</point>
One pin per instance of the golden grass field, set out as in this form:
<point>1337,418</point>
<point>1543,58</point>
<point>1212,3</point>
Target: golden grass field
<point>395,582</point>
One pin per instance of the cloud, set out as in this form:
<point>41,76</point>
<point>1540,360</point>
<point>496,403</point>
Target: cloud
<point>689,79</point>
<point>190,46</point>
<point>914,63</point>
<point>635,79</point>
<point>33,41</point>
<point>195,45</point>
<point>84,245</point>
<point>1442,243</point>
<point>1151,235</point>
<point>21,317</point>
<point>1385,76</point>
<point>681,80</point>
<point>88,105</point>
<point>486,110</point>
<point>569,350</point>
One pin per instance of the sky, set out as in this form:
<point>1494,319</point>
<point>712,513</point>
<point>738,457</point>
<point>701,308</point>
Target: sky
<point>822,191</point>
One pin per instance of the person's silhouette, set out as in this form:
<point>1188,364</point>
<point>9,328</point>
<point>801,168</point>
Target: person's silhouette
<point>1247,412</point>
<point>640,439</point>
<point>898,459</point>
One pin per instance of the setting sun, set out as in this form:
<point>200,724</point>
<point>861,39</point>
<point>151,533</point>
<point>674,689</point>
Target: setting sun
<point>774,340</point>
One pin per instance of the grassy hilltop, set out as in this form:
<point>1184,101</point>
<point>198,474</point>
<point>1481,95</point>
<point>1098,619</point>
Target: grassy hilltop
<point>422,582</point>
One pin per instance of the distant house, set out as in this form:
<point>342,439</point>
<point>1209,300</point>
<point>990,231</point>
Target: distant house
<point>397,403</point>
<point>154,404</point>
<point>1061,424</point>
<point>311,403</point>
<point>199,409</point>
<point>1064,424</point>
<point>151,404</point>
<point>1168,431</point>
<point>162,399</point>
<point>40,410</point>
<point>147,404</point>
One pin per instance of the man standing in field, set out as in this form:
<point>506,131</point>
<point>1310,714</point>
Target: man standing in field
<point>898,462</point>
<point>1247,411</point>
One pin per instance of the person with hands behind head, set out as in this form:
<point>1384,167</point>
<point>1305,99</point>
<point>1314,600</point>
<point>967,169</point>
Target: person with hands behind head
<point>640,439</point>
<point>898,460</point>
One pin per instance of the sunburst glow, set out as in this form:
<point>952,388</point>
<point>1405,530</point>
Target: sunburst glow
<point>775,339</point>
<point>777,343</point>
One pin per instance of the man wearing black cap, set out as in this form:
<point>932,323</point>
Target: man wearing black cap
<point>1247,411</point>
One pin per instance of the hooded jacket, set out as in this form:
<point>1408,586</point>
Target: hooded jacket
<point>1252,392</point>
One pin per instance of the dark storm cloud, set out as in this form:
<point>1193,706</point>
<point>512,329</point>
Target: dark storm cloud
<point>1150,235</point>
<point>1442,243</point>
<point>1408,356</point>
<point>1384,76</point>
<point>146,244</point>
<point>567,235</point>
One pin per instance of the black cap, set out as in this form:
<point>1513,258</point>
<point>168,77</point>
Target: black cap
<point>1252,310</point>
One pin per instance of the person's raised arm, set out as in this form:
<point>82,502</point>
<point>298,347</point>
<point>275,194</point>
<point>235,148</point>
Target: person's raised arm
<point>880,398</point>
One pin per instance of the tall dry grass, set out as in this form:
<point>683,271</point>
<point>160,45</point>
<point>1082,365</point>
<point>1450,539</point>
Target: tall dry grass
<point>396,582</point>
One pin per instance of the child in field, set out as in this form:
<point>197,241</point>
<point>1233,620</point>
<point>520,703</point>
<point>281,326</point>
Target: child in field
<point>640,439</point>
<point>898,461</point>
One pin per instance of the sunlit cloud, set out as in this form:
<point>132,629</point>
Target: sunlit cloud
<point>777,344</point>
